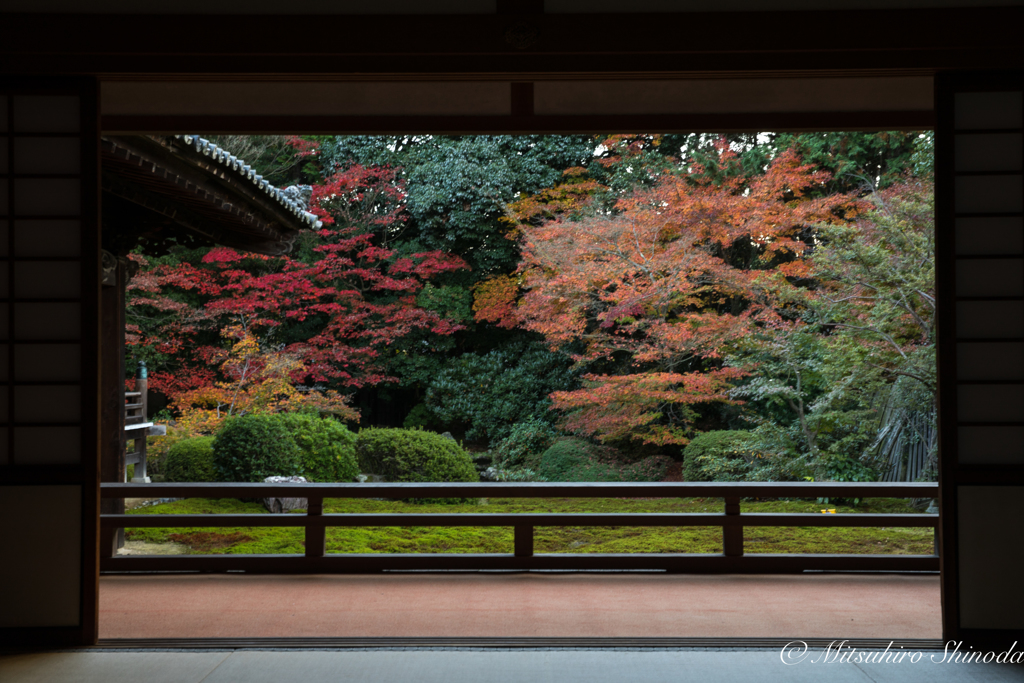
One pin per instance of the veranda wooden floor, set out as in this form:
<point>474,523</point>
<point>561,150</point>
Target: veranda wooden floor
<point>530,605</point>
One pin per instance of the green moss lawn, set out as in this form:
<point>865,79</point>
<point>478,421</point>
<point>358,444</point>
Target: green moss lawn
<point>277,540</point>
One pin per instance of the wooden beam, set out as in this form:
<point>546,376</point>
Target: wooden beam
<point>680,562</point>
<point>585,642</point>
<point>477,44</point>
<point>458,125</point>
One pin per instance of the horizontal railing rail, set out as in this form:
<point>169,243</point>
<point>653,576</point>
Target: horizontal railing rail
<point>531,518</point>
<point>697,489</point>
<point>315,524</point>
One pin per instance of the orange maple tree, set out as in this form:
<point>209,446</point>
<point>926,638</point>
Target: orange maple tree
<point>653,291</point>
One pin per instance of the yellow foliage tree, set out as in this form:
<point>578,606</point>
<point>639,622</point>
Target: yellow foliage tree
<point>260,381</point>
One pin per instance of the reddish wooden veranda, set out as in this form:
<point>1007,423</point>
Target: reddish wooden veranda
<point>503,609</point>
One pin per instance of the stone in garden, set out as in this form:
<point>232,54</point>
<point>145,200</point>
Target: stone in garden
<point>482,463</point>
<point>284,504</point>
<point>448,435</point>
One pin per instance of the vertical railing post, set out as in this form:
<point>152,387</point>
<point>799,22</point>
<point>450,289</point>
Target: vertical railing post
<point>316,536</point>
<point>141,386</point>
<point>932,509</point>
<point>732,536</point>
<point>523,540</point>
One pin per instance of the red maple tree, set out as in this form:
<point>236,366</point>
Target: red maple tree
<point>354,294</point>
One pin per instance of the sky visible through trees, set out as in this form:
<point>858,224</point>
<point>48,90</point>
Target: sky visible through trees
<point>767,298</point>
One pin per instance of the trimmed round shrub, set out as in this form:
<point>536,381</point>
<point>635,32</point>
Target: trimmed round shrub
<point>253,447</point>
<point>415,456</point>
<point>190,460</point>
<point>723,455</point>
<point>328,447</point>
<point>572,459</point>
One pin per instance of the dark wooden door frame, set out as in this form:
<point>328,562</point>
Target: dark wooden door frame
<point>523,121</point>
<point>170,48</point>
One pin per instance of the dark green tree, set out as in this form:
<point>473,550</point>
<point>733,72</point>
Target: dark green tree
<point>488,394</point>
<point>458,186</point>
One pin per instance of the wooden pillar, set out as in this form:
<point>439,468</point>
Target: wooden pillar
<point>112,467</point>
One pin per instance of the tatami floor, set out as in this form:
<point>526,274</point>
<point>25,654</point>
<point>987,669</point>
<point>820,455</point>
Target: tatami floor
<point>524,605</point>
<point>535,666</point>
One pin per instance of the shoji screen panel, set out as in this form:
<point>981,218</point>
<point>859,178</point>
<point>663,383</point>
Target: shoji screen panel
<point>49,309</point>
<point>980,224</point>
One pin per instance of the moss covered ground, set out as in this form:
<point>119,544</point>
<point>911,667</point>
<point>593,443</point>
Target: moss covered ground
<point>277,540</point>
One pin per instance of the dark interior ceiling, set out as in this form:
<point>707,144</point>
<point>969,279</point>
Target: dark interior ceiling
<point>478,66</point>
<point>474,6</point>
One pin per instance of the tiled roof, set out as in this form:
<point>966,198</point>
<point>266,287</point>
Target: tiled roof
<point>238,166</point>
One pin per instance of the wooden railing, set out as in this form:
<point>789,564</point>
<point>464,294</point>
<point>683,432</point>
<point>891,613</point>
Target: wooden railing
<point>137,426</point>
<point>315,523</point>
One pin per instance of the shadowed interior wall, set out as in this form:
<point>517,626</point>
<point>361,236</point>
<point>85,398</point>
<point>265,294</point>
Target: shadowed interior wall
<point>49,286</point>
<point>44,585</point>
<point>982,348</point>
